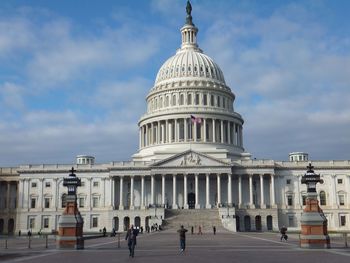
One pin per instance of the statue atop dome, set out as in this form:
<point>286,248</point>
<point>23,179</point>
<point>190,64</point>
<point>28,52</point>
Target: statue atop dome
<point>188,11</point>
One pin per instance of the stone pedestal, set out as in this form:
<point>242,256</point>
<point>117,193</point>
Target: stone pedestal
<point>70,227</point>
<point>314,233</point>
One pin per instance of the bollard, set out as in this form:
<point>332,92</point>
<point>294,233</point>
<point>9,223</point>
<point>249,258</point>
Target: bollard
<point>46,245</point>
<point>29,242</point>
<point>118,240</point>
<point>5,243</point>
<point>345,235</point>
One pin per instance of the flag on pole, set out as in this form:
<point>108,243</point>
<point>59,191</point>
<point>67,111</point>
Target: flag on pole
<point>196,119</point>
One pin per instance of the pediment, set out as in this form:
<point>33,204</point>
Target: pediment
<point>190,159</point>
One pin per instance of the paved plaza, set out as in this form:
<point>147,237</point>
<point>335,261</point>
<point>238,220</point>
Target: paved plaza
<point>164,247</point>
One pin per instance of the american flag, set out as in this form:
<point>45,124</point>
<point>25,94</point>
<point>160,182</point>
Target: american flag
<point>196,119</point>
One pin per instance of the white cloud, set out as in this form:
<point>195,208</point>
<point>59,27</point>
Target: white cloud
<point>11,96</point>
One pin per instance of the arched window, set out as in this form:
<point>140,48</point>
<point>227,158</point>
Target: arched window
<point>323,200</point>
<point>189,99</point>
<point>174,100</point>
<point>181,99</point>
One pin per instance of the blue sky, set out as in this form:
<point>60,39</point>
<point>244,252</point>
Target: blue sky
<point>74,74</point>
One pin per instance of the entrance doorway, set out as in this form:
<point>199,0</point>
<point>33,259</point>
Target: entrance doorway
<point>258,223</point>
<point>126,223</point>
<point>137,221</point>
<point>116,223</point>
<point>269,222</point>
<point>191,200</point>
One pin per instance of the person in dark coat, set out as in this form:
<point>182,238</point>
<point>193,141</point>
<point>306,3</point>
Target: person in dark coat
<point>214,230</point>
<point>131,235</point>
<point>283,232</point>
<point>182,232</point>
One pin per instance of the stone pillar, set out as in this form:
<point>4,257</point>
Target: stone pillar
<point>140,137</point>
<point>205,129</point>
<point>121,202</point>
<point>207,192</point>
<point>174,192</point>
<point>55,195</point>
<point>8,190</point>
<point>222,131</point>
<point>152,134</point>
<point>89,196</point>
<point>218,189</point>
<point>132,207</point>
<point>176,135</point>
<point>104,192</point>
<point>41,194</point>
<point>163,190</point>
<point>229,132</point>
<point>185,192</point>
<point>112,182</point>
<point>166,131</point>
<point>158,133</point>
<point>334,190</point>
<point>142,192</point>
<point>197,205</point>
<point>214,130</point>
<point>262,201</point>
<point>229,189</point>
<point>240,191</point>
<point>251,204</point>
<point>272,198</point>
<point>185,130</point>
<point>152,189</point>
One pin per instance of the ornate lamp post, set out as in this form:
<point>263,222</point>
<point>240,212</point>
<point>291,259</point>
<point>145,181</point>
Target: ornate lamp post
<point>70,233</point>
<point>314,232</point>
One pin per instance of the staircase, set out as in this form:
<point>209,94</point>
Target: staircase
<point>206,218</point>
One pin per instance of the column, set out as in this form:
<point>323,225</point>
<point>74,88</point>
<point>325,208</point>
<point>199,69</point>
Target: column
<point>41,194</point>
<point>229,189</point>
<point>298,200</point>
<point>21,199</point>
<point>251,204</point>
<point>89,205</point>
<point>214,133</point>
<point>166,131</point>
<point>197,205</point>
<point>152,134</point>
<point>272,198</point>
<point>104,192</point>
<point>56,197</point>
<point>234,134</point>
<point>174,192</point>
<point>229,132</point>
<point>121,202</point>
<point>152,189</point>
<point>222,131</point>
<point>194,135</point>
<point>142,192</point>
<point>262,201</point>
<point>185,192</point>
<point>218,190</point>
<point>140,138</point>
<point>185,130</point>
<point>170,131</point>
<point>334,188</point>
<point>207,192</point>
<point>28,194</point>
<point>240,191</point>
<point>132,207</point>
<point>205,129</point>
<point>8,187</point>
<point>176,135</point>
<point>146,135</point>
<point>158,133</point>
<point>163,190</point>
<point>112,185</point>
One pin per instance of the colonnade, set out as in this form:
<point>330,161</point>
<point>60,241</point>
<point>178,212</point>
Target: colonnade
<point>185,130</point>
<point>222,180</point>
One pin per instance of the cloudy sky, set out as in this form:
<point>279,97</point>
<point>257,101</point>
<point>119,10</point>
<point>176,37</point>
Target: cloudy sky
<point>74,74</point>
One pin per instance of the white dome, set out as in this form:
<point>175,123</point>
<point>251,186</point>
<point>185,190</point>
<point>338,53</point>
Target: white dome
<point>190,63</point>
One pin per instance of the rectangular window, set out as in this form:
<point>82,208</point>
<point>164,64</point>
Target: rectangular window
<point>290,200</point>
<point>219,101</point>
<point>288,181</point>
<point>343,220</point>
<point>81,202</point>
<point>205,99</point>
<point>196,101</point>
<point>212,100</point>
<point>94,222</point>
<point>46,223</point>
<point>95,184</point>
<point>341,200</point>
<point>31,223</point>
<point>33,203</point>
<point>33,184</point>
<point>340,181</point>
<point>95,202</point>
<point>47,202</point>
<point>189,99</point>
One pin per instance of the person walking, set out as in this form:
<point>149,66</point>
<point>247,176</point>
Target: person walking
<point>131,235</point>
<point>199,230</point>
<point>182,232</point>
<point>283,232</point>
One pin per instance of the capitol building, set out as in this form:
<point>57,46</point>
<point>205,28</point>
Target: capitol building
<point>191,161</point>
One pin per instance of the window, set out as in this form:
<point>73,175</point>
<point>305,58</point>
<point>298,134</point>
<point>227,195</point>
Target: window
<point>288,181</point>
<point>323,198</point>
<point>174,100</point>
<point>33,184</point>
<point>95,201</point>
<point>341,199</point>
<point>81,202</point>
<point>47,184</point>
<point>46,222</point>
<point>64,200</point>
<point>289,200</point>
<point>189,99</point>
<point>342,220</point>
<point>196,101</point>
<point>340,181</point>
<point>219,101</point>
<point>47,202</point>
<point>95,184</point>
<point>94,222</point>
<point>304,199</point>
<point>205,99</point>
<point>31,223</point>
<point>33,202</point>
<point>166,101</point>
<point>181,99</point>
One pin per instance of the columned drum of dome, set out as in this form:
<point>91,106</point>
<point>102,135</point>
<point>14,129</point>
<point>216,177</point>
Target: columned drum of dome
<point>190,107</point>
